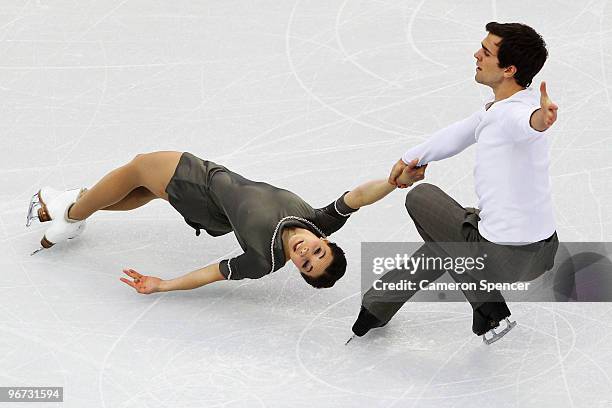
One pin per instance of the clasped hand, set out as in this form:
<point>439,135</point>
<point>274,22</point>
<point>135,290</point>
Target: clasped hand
<point>405,175</point>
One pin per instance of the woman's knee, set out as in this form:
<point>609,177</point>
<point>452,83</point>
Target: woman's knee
<point>146,163</point>
<point>142,168</point>
<point>140,159</point>
<point>154,160</point>
<point>155,170</point>
<point>137,162</point>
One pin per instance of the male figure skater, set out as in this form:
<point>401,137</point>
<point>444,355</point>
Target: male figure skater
<point>272,225</point>
<point>511,178</point>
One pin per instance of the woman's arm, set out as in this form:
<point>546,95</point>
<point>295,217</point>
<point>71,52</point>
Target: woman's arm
<point>150,284</point>
<point>193,280</point>
<point>372,191</point>
<point>368,193</point>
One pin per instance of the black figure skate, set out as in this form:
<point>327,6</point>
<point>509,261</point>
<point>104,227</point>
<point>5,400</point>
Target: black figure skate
<point>486,318</point>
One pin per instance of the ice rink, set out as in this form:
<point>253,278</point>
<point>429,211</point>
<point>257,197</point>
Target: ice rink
<point>315,97</point>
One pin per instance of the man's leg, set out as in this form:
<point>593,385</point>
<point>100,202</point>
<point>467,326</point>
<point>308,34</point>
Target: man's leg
<point>119,189</point>
<point>438,218</point>
<point>384,304</point>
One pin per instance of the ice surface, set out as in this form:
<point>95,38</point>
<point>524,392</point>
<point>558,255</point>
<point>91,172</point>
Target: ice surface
<point>313,96</point>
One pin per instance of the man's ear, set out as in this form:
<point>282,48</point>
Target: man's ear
<point>510,71</point>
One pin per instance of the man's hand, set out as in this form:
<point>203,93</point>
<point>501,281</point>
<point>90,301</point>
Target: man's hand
<point>547,106</point>
<point>544,117</point>
<point>411,174</point>
<point>143,284</point>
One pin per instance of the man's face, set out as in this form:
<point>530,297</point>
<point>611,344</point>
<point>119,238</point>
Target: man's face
<point>310,254</point>
<point>488,71</point>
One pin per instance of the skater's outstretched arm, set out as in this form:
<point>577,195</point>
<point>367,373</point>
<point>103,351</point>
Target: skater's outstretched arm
<point>444,143</point>
<point>151,284</point>
<point>372,191</point>
<point>544,117</point>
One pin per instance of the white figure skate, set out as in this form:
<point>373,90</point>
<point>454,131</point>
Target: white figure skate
<point>52,205</point>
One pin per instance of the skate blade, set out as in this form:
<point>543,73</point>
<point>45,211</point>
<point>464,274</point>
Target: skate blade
<point>37,251</point>
<point>33,208</point>
<point>497,336</point>
<point>44,244</point>
<point>37,211</point>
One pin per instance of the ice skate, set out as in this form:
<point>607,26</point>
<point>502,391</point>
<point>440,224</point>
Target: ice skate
<point>52,205</point>
<point>498,335</point>
<point>366,321</point>
<point>486,319</point>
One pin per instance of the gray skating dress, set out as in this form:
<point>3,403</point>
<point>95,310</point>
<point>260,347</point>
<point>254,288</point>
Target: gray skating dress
<point>217,200</point>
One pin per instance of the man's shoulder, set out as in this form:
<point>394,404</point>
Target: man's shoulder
<point>526,97</point>
<point>514,106</point>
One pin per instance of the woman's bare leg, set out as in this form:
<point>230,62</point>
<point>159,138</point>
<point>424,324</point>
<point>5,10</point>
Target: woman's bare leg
<point>136,198</point>
<point>152,171</point>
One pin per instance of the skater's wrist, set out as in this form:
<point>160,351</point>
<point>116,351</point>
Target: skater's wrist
<point>165,286</point>
<point>173,284</point>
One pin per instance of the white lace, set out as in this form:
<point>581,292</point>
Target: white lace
<point>229,275</point>
<point>338,211</point>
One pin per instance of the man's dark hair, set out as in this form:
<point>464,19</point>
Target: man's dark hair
<point>334,271</point>
<point>520,46</point>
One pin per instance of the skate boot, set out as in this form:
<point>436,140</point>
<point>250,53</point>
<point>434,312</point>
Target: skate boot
<point>486,318</point>
<point>53,205</point>
<point>364,323</point>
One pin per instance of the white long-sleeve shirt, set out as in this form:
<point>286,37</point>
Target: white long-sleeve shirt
<point>511,172</point>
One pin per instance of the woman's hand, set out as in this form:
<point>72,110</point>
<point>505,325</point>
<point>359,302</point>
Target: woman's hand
<point>411,174</point>
<point>142,283</point>
<point>396,171</point>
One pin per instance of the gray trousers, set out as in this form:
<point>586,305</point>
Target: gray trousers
<point>438,219</point>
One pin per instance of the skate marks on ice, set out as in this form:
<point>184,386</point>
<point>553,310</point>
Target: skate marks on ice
<point>427,353</point>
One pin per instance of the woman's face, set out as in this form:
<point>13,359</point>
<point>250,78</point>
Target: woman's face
<point>310,254</point>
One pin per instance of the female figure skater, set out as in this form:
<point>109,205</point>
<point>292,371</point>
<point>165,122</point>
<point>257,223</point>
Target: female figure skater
<point>272,225</point>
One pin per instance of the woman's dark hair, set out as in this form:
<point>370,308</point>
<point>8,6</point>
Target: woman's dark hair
<point>334,271</point>
<point>520,46</point>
